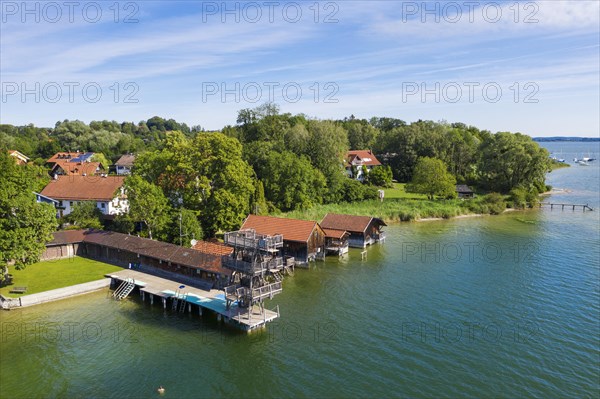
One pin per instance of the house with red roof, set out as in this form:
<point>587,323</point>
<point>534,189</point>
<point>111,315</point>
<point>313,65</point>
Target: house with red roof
<point>302,239</point>
<point>106,191</point>
<point>359,163</point>
<point>363,230</point>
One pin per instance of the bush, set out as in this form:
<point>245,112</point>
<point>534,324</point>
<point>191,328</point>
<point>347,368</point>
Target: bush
<point>353,191</point>
<point>533,198</point>
<point>495,203</point>
<point>518,198</point>
<point>380,176</point>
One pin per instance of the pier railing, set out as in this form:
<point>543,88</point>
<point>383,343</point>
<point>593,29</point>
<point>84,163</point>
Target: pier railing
<point>253,267</point>
<point>584,207</point>
<point>266,291</point>
<point>249,239</point>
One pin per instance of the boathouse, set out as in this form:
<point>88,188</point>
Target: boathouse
<point>463,191</point>
<point>200,266</point>
<point>364,230</point>
<point>302,239</point>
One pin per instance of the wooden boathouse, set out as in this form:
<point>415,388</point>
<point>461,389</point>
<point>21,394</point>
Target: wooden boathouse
<point>303,240</point>
<point>363,230</point>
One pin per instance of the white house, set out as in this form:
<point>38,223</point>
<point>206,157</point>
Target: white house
<point>359,160</point>
<point>124,165</point>
<point>106,191</point>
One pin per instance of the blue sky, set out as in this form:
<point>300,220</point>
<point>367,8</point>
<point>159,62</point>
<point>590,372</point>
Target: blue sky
<point>531,67</point>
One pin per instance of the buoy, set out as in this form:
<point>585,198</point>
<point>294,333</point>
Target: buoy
<point>160,390</point>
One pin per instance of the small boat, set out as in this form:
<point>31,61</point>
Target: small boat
<point>583,163</point>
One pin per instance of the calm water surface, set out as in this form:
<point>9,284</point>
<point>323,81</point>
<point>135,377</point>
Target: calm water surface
<point>505,306</point>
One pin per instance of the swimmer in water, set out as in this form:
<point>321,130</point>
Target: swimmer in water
<point>160,390</point>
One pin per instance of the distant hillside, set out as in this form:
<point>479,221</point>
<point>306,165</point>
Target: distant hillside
<point>561,138</point>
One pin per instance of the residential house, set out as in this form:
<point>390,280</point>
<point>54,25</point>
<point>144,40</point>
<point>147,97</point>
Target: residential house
<point>106,191</point>
<point>464,191</point>
<point>74,163</point>
<point>45,200</point>
<point>66,168</point>
<point>302,239</point>
<point>19,157</point>
<point>124,165</point>
<point>359,162</point>
<point>364,230</point>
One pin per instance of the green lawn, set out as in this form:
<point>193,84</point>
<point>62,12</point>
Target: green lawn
<point>399,192</point>
<point>48,275</point>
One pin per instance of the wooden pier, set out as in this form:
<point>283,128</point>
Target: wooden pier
<point>585,207</point>
<point>168,293</point>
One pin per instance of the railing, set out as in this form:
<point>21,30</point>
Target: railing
<point>253,267</point>
<point>180,278</point>
<point>249,239</point>
<point>266,291</point>
<point>379,236</point>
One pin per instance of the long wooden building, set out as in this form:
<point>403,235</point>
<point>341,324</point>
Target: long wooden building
<point>201,265</point>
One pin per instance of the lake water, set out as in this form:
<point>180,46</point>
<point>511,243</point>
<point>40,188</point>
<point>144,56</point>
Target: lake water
<point>502,306</point>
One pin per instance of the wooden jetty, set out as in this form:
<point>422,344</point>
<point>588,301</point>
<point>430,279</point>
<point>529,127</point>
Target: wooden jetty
<point>170,293</point>
<point>585,207</point>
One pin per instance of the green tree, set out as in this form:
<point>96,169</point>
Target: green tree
<point>512,160</point>
<point>25,225</point>
<point>291,182</point>
<point>182,228</point>
<point>147,204</point>
<point>433,179</point>
<point>380,176</point>
<point>85,215</point>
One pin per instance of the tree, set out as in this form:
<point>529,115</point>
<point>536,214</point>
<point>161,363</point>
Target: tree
<point>99,157</point>
<point>147,204</point>
<point>25,225</point>
<point>512,160</point>
<point>291,182</point>
<point>85,215</point>
<point>182,228</point>
<point>433,179</point>
<point>380,176</point>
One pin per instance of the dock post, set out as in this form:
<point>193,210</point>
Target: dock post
<point>199,310</point>
<point>151,299</point>
<point>551,206</point>
<point>573,207</point>
<point>143,296</point>
<point>189,307</point>
<point>164,300</point>
<point>563,207</point>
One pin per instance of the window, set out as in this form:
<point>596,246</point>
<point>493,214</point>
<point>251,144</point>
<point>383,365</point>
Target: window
<point>103,205</point>
<point>71,203</point>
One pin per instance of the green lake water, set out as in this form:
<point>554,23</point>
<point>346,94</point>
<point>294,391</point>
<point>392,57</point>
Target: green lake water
<point>498,306</point>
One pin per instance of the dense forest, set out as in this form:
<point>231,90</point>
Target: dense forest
<point>272,161</point>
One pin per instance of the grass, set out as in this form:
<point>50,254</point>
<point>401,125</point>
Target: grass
<point>390,210</point>
<point>399,192</point>
<point>49,275</point>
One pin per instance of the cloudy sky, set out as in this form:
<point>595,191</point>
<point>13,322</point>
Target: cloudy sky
<point>526,66</point>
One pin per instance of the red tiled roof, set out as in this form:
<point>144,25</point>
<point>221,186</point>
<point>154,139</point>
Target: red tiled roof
<point>366,156</point>
<point>67,237</point>
<point>212,248</point>
<point>291,229</point>
<point>77,187</point>
<point>77,168</point>
<point>333,233</point>
<point>351,223</point>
